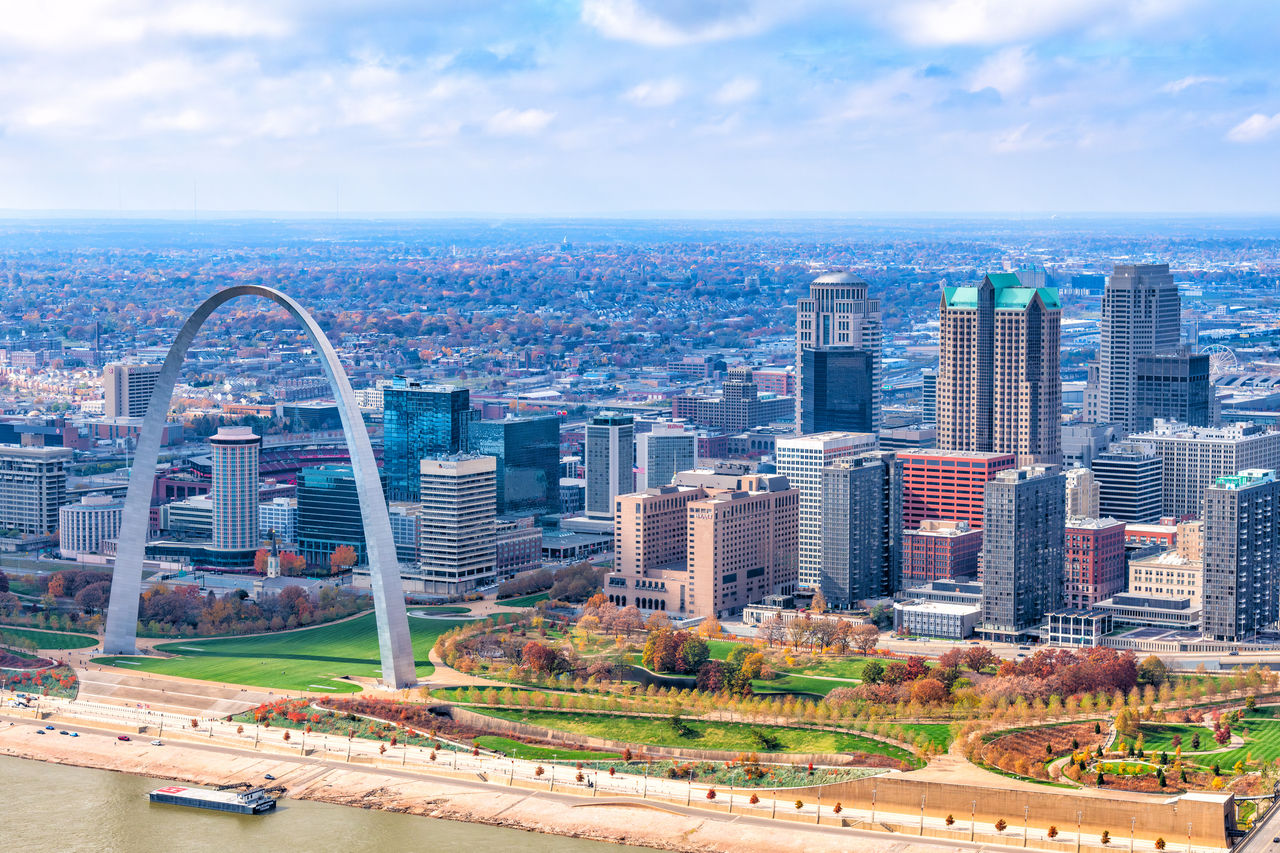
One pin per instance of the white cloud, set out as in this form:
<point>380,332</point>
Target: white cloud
<point>1255,128</point>
<point>655,93</point>
<point>73,26</point>
<point>942,22</point>
<point>510,122</point>
<point>630,20</point>
<point>1178,86</point>
<point>1006,72</point>
<point>737,90</point>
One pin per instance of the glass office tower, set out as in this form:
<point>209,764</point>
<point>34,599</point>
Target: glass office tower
<point>838,390</point>
<point>528,454</point>
<point>420,421</point>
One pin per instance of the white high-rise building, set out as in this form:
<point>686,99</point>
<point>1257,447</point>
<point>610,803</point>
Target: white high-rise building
<point>1194,457</point>
<point>84,526</point>
<point>127,387</point>
<point>1141,315</point>
<point>663,451</point>
<point>456,545</point>
<point>33,485</point>
<point>801,460</point>
<point>611,461</point>
<point>1082,494</point>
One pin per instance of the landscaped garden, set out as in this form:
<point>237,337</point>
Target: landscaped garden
<point>315,659</point>
<point>58,681</point>
<point>705,734</point>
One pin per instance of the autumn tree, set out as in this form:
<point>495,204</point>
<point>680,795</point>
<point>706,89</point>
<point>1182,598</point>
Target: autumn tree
<point>978,658</point>
<point>866,638</point>
<point>773,630</point>
<point>342,558</point>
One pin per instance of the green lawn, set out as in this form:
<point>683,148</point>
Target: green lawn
<point>839,667</point>
<point>938,733</point>
<point>719,649</point>
<point>798,684</point>
<point>524,600</point>
<point>439,609</point>
<point>516,749</point>
<point>657,731</point>
<point>51,639</point>
<point>311,659</point>
<point>1262,743</point>
<point>1158,737</point>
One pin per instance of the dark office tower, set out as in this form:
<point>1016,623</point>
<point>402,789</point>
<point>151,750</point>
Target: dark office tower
<point>1130,478</point>
<point>998,378</point>
<point>1241,550</point>
<point>838,313</point>
<point>1141,314</point>
<point>1174,387</point>
<point>837,390</point>
<point>419,421</point>
<point>929,396</point>
<point>328,515</point>
<point>528,467</point>
<point>1023,542</point>
<point>861,529</point>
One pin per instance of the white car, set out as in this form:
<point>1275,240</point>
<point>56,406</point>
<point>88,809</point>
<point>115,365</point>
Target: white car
<point>157,743</point>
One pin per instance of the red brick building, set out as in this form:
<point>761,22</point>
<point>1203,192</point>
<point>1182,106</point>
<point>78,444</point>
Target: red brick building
<point>947,484</point>
<point>1094,568</point>
<point>940,550</point>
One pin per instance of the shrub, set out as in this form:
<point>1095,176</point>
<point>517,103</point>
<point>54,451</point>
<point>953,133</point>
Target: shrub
<point>1053,832</point>
<point>799,805</point>
<point>838,808</point>
<point>755,798</point>
<point>711,793</point>
<point>1001,825</point>
<point>1106,837</point>
<point>1160,845</point>
<point>950,820</point>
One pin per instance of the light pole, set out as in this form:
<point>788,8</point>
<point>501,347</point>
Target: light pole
<point>1079,818</point>
<point>874,788</point>
<point>1188,836</point>
<point>1133,823</point>
<point>973,818</point>
<point>922,796</point>
<point>1026,810</point>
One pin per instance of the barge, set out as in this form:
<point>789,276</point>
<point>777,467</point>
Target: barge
<point>254,801</point>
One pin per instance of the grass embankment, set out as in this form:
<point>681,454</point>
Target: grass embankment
<point>438,609</point>
<point>516,749</point>
<point>524,600</point>
<point>49,639</point>
<point>310,659</point>
<point>737,737</point>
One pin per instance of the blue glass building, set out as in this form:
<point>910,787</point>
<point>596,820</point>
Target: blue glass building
<point>419,421</point>
<point>528,453</point>
<point>329,515</point>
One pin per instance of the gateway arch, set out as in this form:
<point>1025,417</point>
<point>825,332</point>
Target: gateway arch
<point>388,595</point>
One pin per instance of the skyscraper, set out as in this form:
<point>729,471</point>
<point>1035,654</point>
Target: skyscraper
<point>1141,314</point>
<point>1241,550</point>
<point>947,484</point>
<point>1023,536</point>
<point>1193,457</point>
<point>611,461</point>
<point>127,387</point>
<point>664,450</point>
<point>528,467</point>
<point>33,485</point>
<point>801,460</point>
<point>1095,564</point>
<point>998,376</point>
<point>1130,479</point>
<point>929,396</point>
<point>839,314</point>
<point>837,389</point>
<point>420,420</point>
<point>235,487</point>
<point>1173,387</point>
<point>329,515</point>
<point>861,529</point>
<point>456,548</point>
<point>1082,494</point>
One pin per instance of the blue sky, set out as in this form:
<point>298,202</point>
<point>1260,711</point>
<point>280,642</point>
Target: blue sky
<point>590,107</point>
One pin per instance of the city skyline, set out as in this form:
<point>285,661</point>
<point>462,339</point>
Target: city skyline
<point>608,107</point>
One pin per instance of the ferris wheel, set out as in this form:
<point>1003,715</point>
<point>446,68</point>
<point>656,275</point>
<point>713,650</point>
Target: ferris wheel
<point>1221,359</point>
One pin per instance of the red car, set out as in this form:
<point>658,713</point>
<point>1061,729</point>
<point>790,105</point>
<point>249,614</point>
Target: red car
<point>122,737</point>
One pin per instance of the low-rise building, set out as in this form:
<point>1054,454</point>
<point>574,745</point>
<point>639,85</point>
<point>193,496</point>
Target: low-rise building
<point>936,619</point>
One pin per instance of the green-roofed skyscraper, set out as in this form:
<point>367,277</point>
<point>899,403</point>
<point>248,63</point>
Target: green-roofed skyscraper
<point>998,375</point>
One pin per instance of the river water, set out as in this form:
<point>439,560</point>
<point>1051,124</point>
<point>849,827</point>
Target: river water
<point>50,807</point>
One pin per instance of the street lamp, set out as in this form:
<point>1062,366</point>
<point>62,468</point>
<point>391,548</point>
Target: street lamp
<point>1133,823</point>
<point>1026,810</point>
<point>873,804</point>
<point>922,796</point>
<point>973,818</point>
<point>1079,818</point>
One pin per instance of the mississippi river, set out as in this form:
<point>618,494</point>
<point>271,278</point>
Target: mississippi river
<point>51,807</point>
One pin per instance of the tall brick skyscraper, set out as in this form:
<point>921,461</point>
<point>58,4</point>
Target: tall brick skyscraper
<point>998,379</point>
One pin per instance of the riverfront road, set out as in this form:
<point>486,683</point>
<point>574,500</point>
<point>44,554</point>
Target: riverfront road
<point>606,811</point>
<point>1262,839</point>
